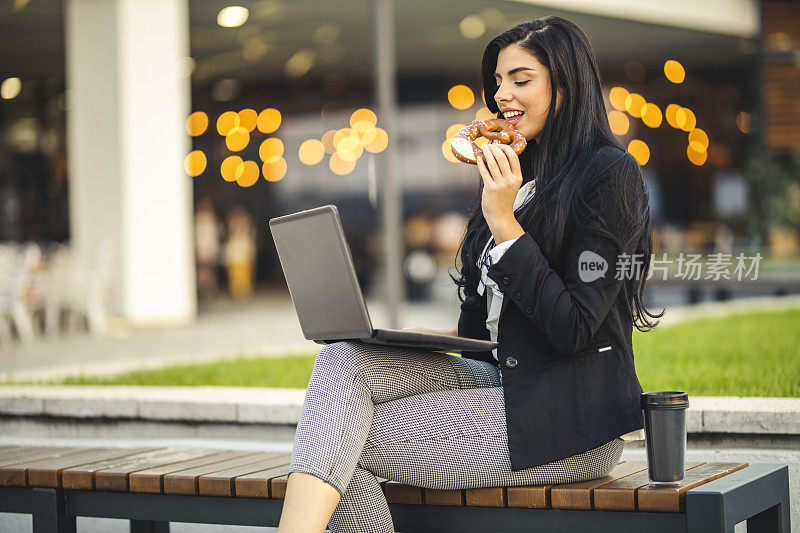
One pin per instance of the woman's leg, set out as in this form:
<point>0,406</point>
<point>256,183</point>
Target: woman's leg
<point>448,440</point>
<point>348,381</point>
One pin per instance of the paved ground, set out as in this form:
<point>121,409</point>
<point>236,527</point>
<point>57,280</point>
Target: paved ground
<point>266,324</point>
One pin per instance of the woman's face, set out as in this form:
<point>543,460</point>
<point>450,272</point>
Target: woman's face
<point>523,84</point>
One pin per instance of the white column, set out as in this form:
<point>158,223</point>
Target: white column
<point>391,189</point>
<point>128,97</point>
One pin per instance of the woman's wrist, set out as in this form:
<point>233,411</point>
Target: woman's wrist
<point>507,230</point>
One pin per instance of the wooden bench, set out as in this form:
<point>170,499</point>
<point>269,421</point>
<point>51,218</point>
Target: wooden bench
<point>154,486</point>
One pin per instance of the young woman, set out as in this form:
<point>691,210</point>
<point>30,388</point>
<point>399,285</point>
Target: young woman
<point>541,275</point>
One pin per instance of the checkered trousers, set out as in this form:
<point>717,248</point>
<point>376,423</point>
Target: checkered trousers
<point>418,417</point>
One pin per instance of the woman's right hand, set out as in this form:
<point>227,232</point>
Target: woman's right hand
<point>452,333</point>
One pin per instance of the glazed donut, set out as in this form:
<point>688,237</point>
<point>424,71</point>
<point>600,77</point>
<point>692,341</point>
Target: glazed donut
<point>497,130</point>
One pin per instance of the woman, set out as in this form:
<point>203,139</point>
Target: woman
<point>539,274</point>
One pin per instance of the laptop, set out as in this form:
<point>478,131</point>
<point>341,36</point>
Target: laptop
<point>325,291</point>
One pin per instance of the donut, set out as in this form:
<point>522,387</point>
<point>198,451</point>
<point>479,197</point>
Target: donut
<point>497,130</point>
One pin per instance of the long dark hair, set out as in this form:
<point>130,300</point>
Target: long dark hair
<point>562,161</point>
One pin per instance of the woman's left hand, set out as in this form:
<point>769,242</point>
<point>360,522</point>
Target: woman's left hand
<point>502,179</point>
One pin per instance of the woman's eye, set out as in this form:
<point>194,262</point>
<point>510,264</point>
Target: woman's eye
<point>521,82</point>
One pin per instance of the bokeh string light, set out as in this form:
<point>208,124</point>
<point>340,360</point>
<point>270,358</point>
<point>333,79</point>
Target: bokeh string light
<point>237,128</point>
<point>640,151</point>
<point>461,97</point>
<point>271,150</point>
<point>676,116</point>
<point>344,145</point>
<point>311,152</point>
<point>619,122</point>
<point>674,71</point>
<point>197,123</point>
<point>248,175</point>
<point>269,120</point>
<point>275,170</point>
<point>195,163</point>
<point>231,168</point>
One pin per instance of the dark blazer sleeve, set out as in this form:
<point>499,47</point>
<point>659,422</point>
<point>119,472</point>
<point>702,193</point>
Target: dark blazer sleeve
<point>567,310</point>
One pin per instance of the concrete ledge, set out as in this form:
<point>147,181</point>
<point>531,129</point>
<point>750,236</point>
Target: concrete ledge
<point>246,405</point>
<point>192,404</point>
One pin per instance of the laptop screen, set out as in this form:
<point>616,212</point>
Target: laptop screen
<point>319,271</point>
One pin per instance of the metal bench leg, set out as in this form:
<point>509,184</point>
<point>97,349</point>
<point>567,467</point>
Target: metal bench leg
<point>766,521</point>
<point>758,494</point>
<point>149,526</point>
<point>50,512</point>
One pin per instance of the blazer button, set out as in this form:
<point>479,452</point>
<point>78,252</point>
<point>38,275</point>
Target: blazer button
<point>517,296</point>
<point>511,362</point>
<point>529,310</point>
<point>506,280</point>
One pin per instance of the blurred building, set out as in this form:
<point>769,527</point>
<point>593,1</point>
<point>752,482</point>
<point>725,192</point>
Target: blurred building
<point>118,114</point>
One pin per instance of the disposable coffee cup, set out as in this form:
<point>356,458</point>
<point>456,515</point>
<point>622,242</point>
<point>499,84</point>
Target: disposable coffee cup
<point>665,435</point>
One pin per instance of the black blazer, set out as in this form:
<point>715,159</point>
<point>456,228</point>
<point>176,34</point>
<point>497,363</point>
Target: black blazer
<point>565,394</point>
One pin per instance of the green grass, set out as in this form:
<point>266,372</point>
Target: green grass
<point>290,372</point>
<point>753,354</point>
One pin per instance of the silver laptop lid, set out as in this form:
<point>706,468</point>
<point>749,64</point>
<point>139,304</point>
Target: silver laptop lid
<point>319,272</point>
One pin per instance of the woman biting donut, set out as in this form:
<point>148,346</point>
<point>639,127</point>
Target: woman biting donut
<point>539,275</point>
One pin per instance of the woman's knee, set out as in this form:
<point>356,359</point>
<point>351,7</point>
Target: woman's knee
<point>340,355</point>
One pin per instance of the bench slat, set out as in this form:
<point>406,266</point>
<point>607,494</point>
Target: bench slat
<point>186,481</point>
<point>222,483</point>
<point>486,497</point>
<point>118,478</point>
<point>579,495</point>
<point>151,480</point>
<point>47,473</point>
<point>401,493</point>
<point>16,474</point>
<point>671,499</point>
<point>620,495</point>
<point>23,454</point>
<point>16,450</point>
<point>257,484</point>
<point>529,497</point>
<point>444,497</point>
<point>83,477</point>
<point>277,487</point>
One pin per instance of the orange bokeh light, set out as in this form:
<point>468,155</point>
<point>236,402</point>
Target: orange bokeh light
<point>271,150</point>
<point>249,174</point>
<point>195,163</point>
<point>461,97</point>
<point>269,120</point>
<point>197,123</point>
<point>274,171</point>
<point>232,168</point>
<point>311,152</point>
<point>248,119</point>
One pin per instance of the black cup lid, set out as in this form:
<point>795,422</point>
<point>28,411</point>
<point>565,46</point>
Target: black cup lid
<point>664,400</point>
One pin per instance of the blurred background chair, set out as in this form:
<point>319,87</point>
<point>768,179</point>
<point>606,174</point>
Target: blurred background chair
<point>38,290</point>
<point>19,266</point>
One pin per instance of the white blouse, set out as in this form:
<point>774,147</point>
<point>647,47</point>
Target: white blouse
<point>494,297</point>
